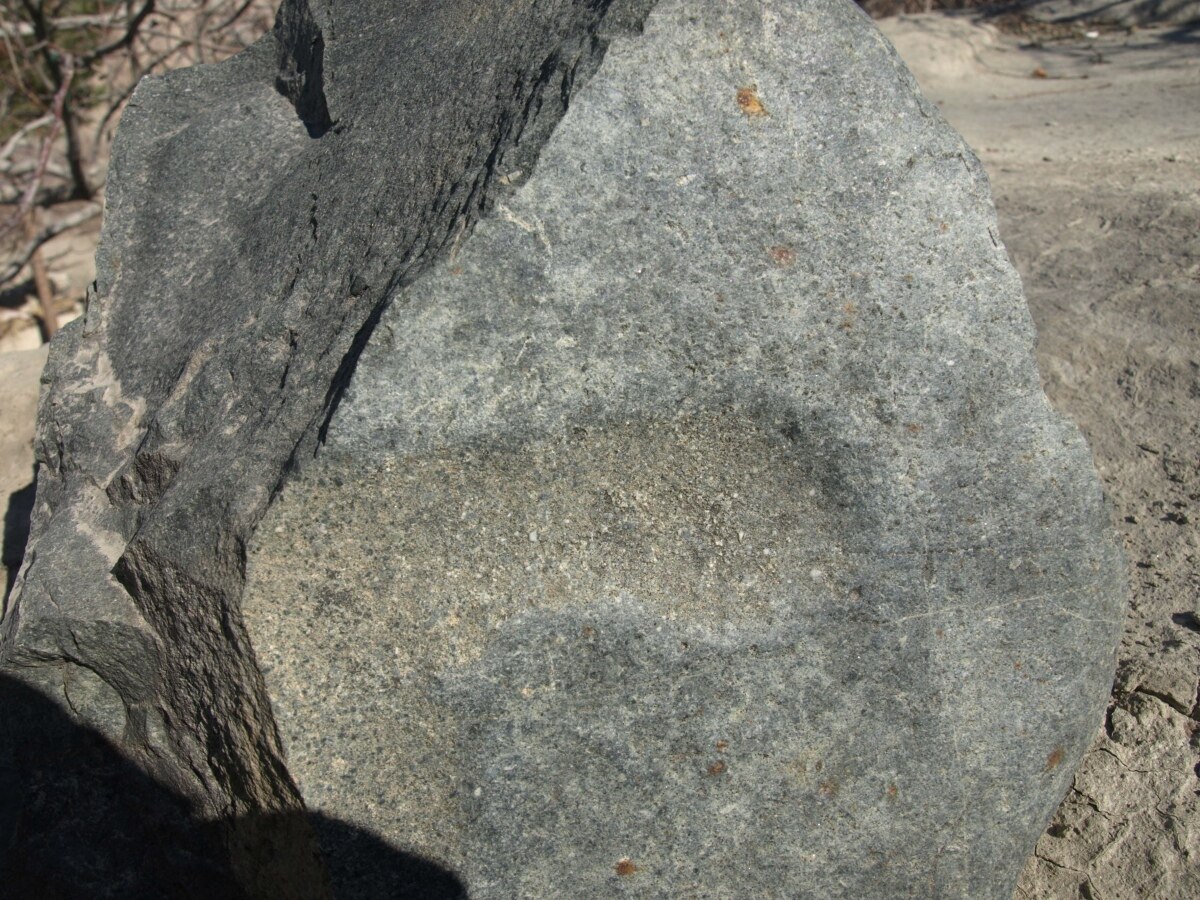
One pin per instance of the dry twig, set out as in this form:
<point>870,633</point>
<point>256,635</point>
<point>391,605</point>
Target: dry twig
<point>14,266</point>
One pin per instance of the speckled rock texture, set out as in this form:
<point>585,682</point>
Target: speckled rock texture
<point>698,527</point>
<point>260,213</point>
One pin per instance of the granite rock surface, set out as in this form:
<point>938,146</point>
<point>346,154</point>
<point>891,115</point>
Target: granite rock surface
<point>699,527</point>
<point>260,213</point>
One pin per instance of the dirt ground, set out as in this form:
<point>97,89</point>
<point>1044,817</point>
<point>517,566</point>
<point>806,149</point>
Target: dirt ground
<point>1091,136</point>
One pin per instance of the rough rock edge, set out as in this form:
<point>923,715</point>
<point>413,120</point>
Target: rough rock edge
<point>135,565</point>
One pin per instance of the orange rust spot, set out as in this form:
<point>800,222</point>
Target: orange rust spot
<point>1039,72</point>
<point>914,428</point>
<point>722,745</point>
<point>748,100</point>
<point>1054,759</point>
<point>892,792</point>
<point>625,867</point>
<point>783,256</point>
<point>717,768</point>
<point>828,787</point>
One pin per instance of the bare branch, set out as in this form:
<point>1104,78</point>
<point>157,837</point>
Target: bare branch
<point>60,98</point>
<point>41,282</point>
<point>21,133</point>
<point>45,233</point>
<point>235,15</point>
<point>125,40</point>
<point>66,23</point>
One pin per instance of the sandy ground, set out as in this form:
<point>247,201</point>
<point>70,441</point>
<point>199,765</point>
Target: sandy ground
<point>1093,147</point>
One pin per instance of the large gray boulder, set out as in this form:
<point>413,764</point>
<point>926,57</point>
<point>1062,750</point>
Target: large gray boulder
<point>699,527</point>
<point>260,212</point>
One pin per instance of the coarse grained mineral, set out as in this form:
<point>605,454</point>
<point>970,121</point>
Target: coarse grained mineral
<point>259,214</point>
<point>698,526</point>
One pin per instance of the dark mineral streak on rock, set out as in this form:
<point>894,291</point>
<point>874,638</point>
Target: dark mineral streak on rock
<point>260,213</point>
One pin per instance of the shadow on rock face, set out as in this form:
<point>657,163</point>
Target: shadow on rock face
<point>16,531</point>
<point>80,820</point>
<point>362,866</point>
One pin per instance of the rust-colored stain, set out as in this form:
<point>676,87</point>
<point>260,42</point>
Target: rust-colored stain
<point>940,632</point>
<point>750,103</point>
<point>892,792</point>
<point>717,768</point>
<point>625,867</point>
<point>783,256</point>
<point>914,428</point>
<point>1039,72</point>
<point>828,787</point>
<point>588,632</point>
<point>1055,757</point>
<point>722,745</point>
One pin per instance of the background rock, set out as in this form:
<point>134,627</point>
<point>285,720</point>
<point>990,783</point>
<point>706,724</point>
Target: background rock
<point>700,525</point>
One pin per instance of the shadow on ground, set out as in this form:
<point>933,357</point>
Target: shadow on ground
<point>79,820</point>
